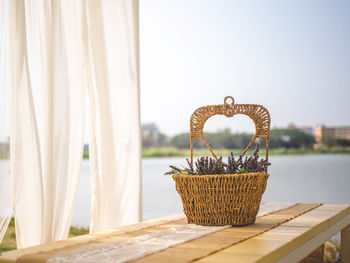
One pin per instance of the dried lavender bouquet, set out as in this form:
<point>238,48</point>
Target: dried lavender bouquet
<point>208,165</point>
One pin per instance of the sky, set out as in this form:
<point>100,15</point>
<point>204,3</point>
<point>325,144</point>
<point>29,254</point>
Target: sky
<point>291,56</point>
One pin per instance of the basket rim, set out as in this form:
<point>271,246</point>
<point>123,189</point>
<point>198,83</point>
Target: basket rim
<point>220,175</point>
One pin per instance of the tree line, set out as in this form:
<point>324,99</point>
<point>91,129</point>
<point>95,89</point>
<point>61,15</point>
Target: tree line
<point>225,139</point>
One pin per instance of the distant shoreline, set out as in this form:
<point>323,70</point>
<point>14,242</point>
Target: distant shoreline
<point>175,152</point>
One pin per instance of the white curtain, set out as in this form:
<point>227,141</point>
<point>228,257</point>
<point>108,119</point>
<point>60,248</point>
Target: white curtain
<point>115,146</point>
<point>5,180</point>
<point>47,121</point>
<point>59,47</point>
<point>5,197</point>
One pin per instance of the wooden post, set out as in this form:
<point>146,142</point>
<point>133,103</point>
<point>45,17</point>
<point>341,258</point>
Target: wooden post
<point>345,244</point>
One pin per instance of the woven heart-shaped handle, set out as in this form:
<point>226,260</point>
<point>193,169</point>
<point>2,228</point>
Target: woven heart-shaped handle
<point>257,113</point>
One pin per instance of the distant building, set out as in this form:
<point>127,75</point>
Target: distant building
<point>305,129</point>
<point>335,132</point>
<point>152,137</point>
<point>150,130</point>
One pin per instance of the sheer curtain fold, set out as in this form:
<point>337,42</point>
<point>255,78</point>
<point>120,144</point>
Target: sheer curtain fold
<point>59,48</point>
<point>5,180</point>
<point>115,147</point>
<point>5,197</point>
<point>47,117</point>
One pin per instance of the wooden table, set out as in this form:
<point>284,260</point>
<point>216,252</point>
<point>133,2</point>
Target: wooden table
<point>275,237</point>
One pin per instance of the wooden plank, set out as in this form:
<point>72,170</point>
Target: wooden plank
<point>109,235</point>
<point>195,250</point>
<point>345,244</point>
<point>277,243</point>
<point>310,245</point>
<point>217,241</point>
<point>11,256</point>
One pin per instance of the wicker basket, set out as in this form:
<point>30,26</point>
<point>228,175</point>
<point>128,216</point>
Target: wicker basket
<point>225,199</point>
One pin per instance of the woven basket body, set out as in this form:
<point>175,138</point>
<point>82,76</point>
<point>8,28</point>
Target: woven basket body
<point>225,199</point>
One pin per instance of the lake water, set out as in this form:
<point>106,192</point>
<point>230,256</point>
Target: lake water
<point>304,178</point>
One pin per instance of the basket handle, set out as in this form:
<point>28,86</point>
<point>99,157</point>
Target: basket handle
<point>259,115</point>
